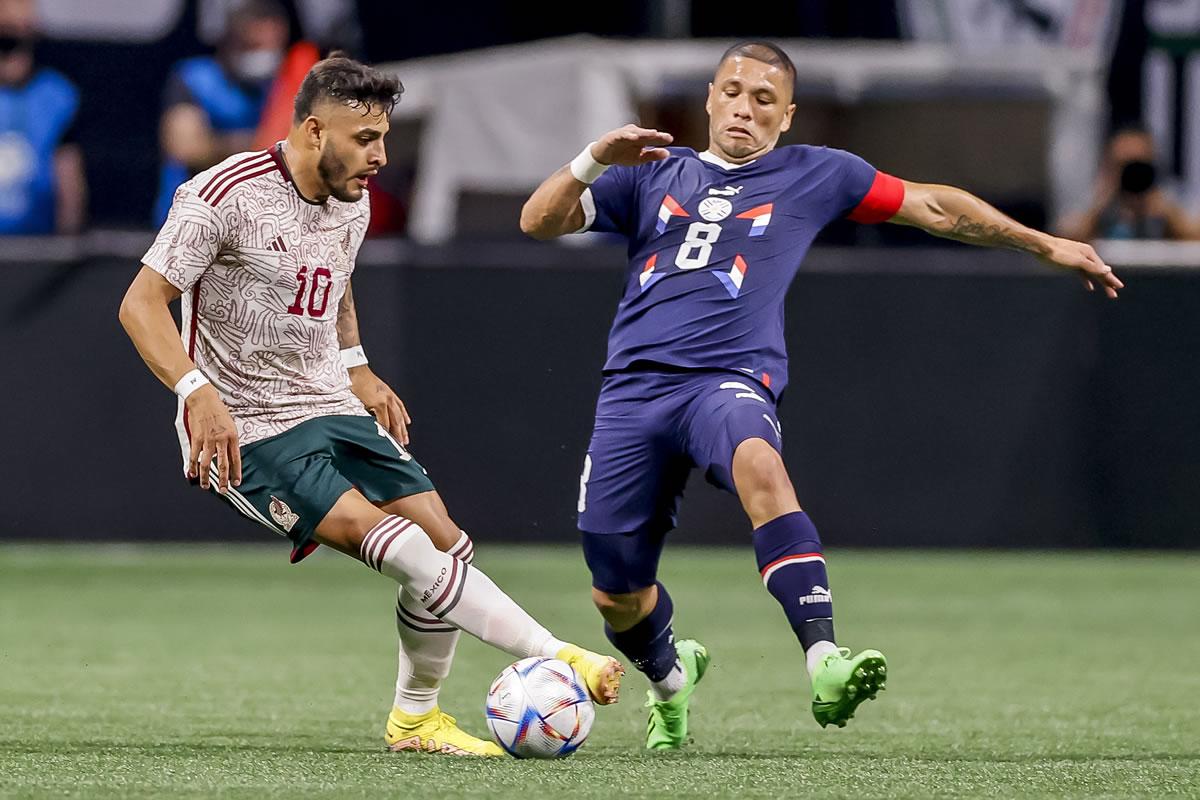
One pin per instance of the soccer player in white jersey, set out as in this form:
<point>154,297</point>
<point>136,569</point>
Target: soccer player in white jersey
<point>279,412</point>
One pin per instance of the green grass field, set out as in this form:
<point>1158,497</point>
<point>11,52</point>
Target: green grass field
<point>222,671</point>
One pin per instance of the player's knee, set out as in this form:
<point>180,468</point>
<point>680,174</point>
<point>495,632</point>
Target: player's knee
<point>344,526</point>
<point>758,468</point>
<point>622,611</point>
<point>428,511</point>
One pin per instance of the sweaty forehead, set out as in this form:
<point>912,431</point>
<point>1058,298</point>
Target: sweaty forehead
<point>753,73</point>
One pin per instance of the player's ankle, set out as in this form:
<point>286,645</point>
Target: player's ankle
<point>816,654</point>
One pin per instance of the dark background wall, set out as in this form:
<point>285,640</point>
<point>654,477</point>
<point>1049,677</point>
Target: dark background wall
<point>943,397</point>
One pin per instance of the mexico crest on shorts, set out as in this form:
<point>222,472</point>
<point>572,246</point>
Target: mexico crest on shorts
<point>715,209</point>
<point>282,514</point>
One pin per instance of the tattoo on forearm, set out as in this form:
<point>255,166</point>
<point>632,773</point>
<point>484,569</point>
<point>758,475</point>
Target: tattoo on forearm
<point>347,321</point>
<point>972,230</point>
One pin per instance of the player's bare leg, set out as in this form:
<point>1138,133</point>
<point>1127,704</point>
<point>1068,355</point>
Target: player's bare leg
<point>454,592</point>
<point>792,565</point>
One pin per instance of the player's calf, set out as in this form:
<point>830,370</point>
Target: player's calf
<point>762,482</point>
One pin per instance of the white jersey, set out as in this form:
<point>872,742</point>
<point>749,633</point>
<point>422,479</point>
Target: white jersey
<point>262,271</point>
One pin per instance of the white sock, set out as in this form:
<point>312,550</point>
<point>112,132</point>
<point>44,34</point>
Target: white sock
<point>668,686</point>
<point>426,646</point>
<point>815,654</point>
<point>452,591</point>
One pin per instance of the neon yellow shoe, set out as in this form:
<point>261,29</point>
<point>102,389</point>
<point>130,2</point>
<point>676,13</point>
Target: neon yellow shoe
<point>433,732</point>
<point>601,674</point>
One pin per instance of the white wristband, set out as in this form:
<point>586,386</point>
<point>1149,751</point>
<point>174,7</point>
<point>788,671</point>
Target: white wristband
<point>190,383</point>
<point>353,357</point>
<point>585,168</point>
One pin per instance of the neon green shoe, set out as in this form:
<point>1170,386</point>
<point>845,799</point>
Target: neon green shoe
<point>668,724</point>
<point>843,681</point>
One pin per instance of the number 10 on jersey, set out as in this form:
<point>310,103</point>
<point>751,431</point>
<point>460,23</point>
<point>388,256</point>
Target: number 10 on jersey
<point>322,281</point>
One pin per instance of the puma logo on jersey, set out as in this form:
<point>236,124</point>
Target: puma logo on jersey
<point>728,191</point>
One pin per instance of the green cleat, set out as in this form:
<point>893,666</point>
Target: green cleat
<point>843,681</point>
<point>668,724</point>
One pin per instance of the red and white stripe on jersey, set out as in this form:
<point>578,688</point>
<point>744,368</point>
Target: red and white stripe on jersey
<point>780,563</point>
<point>882,200</point>
<point>379,540</point>
<point>242,170</point>
<point>648,270</point>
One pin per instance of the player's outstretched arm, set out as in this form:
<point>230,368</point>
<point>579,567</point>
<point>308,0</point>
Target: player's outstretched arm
<point>376,395</point>
<point>554,210</point>
<point>147,319</point>
<point>955,214</point>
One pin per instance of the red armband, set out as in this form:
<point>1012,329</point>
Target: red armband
<point>882,200</point>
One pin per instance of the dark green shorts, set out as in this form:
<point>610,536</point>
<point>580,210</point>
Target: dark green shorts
<point>290,481</point>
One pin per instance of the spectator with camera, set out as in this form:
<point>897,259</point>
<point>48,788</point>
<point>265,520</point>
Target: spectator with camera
<point>1130,201</point>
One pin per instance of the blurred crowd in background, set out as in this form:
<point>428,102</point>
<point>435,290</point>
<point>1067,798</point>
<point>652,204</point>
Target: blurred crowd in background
<point>106,107</point>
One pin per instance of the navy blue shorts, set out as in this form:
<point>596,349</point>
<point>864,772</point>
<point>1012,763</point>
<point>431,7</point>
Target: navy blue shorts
<point>652,429</point>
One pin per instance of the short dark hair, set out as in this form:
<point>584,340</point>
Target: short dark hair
<point>766,52</point>
<point>352,83</point>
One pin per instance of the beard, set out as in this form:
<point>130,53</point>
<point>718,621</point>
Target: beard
<point>335,174</point>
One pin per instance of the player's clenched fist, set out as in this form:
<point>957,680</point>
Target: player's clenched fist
<point>631,146</point>
<point>214,436</point>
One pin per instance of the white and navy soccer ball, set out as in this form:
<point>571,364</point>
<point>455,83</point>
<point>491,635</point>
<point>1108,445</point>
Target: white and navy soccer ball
<point>539,708</point>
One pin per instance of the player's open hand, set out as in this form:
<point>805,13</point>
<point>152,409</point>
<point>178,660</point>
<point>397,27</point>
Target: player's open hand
<point>381,401</point>
<point>1082,257</point>
<point>214,452</point>
<point>631,146</point>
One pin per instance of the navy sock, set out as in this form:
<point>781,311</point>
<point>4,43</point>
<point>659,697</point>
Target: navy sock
<point>649,645</point>
<point>789,556</point>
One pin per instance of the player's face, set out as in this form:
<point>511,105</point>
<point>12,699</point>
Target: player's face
<point>351,149</point>
<point>748,107</point>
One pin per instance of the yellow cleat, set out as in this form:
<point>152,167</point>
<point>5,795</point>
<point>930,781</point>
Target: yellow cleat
<point>601,674</point>
<point>433,732</point>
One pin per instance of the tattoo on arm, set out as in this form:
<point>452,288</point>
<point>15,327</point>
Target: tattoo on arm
<point>347,321</point>
<point>966,229</point>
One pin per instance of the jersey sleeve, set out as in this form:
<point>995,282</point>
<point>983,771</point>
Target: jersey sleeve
<point>188,242</point>
<point>610,204</point>
<point>864,194</point>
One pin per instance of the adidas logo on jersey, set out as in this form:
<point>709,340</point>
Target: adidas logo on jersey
<point>728,191</point>
<point>278,245</point>
<point>817,594</point>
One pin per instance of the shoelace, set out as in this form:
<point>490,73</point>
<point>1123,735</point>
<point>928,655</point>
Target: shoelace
<point>842,652</point>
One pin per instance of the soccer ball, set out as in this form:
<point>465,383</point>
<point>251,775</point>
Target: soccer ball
<point>539,708</point>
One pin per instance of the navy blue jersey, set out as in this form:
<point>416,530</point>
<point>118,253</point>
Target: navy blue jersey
<point>713,247</point>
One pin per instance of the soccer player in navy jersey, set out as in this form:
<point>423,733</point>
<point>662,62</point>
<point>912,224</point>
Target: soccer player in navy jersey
<point>696,360</point>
